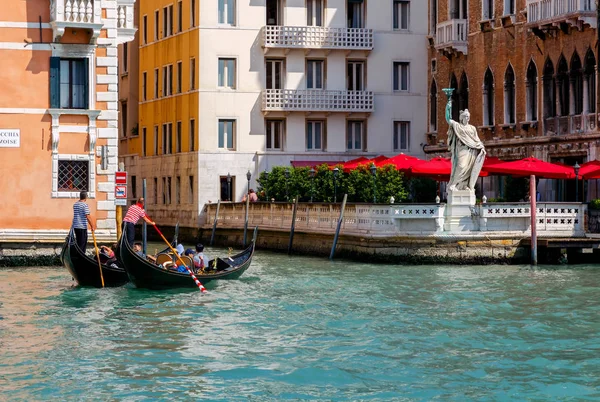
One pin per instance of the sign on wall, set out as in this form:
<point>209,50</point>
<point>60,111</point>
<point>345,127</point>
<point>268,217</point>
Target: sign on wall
<point>121,188</point>
<point>10,138</point>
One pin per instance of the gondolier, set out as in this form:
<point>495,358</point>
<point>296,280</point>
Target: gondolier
<point>81,218</point>
<point>134,213</point>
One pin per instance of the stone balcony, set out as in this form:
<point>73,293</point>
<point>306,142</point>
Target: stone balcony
<point>451,36</point>
<point>551,13</point>
<point>316,100</point>
<point>86,14</point>
<point>574,124</point>
<point>312,37</point>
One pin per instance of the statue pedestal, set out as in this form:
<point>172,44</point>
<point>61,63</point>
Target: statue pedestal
<point>458,216</point>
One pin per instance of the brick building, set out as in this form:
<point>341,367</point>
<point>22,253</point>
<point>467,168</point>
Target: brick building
<point>526,70</point>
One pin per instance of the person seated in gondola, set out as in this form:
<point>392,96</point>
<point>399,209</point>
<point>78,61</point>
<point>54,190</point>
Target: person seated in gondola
<point>137,248</point>
<point>107,255</point>
<point>199,258</point>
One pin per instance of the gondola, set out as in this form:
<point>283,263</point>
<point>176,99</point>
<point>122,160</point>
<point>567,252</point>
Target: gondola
<point>145,274</point>
<point>84,269</point>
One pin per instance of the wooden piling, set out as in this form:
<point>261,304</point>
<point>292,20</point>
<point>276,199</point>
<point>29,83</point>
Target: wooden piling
<point>293,226</point>
<point>212,237</point>
<point>339,226</point>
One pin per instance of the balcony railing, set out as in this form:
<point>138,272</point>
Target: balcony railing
<point>305,37</point>
<point>75,14</point>
<point>576,124</point>
<point>451,36</point>
<point>549,12</point>
<point>314,100</point>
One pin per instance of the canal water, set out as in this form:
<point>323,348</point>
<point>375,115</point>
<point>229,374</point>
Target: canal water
<point>300,328</point>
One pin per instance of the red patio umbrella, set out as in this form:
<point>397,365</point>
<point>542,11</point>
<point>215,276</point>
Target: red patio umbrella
<point>532,166</point>
<point>401,162</point>
<point>438,168</point>
<point>590,170</point>
<point>353,164</point>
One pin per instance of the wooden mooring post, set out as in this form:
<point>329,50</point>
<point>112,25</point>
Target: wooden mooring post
<point>339,227</point>
<point>293,226</point>
<point>212,236</point>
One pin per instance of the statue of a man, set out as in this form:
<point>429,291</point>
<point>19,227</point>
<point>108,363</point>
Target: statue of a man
<point>466,149</point>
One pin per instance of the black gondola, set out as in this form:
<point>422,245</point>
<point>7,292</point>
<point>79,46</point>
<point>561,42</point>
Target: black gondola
<point>145,274</point>
<point>84,269</point>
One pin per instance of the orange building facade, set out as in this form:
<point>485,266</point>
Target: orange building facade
<point>59,117</point>
<point>527,72</point>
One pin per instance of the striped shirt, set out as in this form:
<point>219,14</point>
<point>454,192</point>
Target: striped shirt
<point>80,211</point>
<point>134,213</point>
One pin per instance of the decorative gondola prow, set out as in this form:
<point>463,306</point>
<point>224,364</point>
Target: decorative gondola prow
<point>254,234</point>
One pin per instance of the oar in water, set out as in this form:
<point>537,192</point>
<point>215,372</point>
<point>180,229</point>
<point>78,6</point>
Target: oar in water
<point>98,257</point>
<point>202,288</point>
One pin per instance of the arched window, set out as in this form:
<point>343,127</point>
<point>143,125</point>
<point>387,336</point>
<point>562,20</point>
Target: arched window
<point>531,85</point>
<point>463,92</point>
<point>455,105</point>
<point>509,96</point>
<point>433,107</point>
<point>488,98</point>
<point>589,82</point>
<point>549,90</point>
<point>576,77</point>
<point>562,78</point>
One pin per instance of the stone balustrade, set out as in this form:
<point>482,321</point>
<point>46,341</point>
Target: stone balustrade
<point>451,36</point>
<point>549,12</point>
<point>553,219</point>
<point>312,37</point>
<point>575,124</point>
<point>313,100</point>
<point>85,14</point>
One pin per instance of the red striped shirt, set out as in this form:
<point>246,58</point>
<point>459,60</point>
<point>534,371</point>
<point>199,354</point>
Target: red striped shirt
<point>134,213</point>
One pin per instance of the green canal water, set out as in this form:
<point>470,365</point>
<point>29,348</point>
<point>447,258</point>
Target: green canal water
<point>300,328</point>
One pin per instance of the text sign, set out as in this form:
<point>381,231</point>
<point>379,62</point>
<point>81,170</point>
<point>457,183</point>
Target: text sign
<point>120,177</point>
<point>120,192</point>
<point>121,202</point>
<point>10,138</point>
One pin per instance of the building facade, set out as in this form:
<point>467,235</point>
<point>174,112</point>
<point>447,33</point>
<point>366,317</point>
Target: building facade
<point>230,87</point>
<point>527,72</point>
<point>58,113</point>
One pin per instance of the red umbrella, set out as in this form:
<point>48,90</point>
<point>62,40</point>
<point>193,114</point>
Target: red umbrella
<point>401,162</point>
<point>438,168</point>
<point>353,164</point>
<point>590,170</point>
<point>491,160</point>
<point>532,166</point>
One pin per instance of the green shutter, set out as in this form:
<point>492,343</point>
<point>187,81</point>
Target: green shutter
<point>86,91</point>
<point>54,82</point>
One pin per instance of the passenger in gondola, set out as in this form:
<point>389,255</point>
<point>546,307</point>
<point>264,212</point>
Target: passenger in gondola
<point>81,218</point>
<point>107,255</point>
<point>134,214</point>
<point>199,258</point>
<point>137,248</point>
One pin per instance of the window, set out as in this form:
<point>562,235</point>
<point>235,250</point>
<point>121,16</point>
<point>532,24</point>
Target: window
<point>355,135</point>
<point>156,25</point>
<point>433,107</point>
<point>463,93</point>
<point>401,136</point>
<point>192,74</point>
<point>274,13</point>
<point>133,187</point>
<point>179,16</point>
<point>145,30</point>
<point>401,14</point>
<point>169,190</point>
<point>315,135</point>
<point>355,75</point>
<point>227,12</point>
<point>73,176</point>
<point>509,7</point>
<point>356,13</point>
<point>193,13</point>
<point>275,74</point>
<point>166,27</point>
<point>509,96</point>
<point>226,134</point>
<point>125,57</point>
<point>274,138</point>
<point>179,76</point>
<point>192,135</point>
<point>156,83</point>
<point>69,83</point>
<point>178,137</point>
<point>167,132</point>
<point>314,13</point>
<point>531,88</point>
<point>143,141</point>
<point>170,20</point>
<point>314,74</point>
<point>167,80</point>
<point>488,10</point>
<point>164,190</point>
<point>155,140</point>
<point>155,190</point>
<point>227,188</point>
<point>191,190</point>
<point>227,73</point>
<point>488,98</point>
<point>401,76</point>
<point>144,83</point>
<point>178,190</point>
<point>124,119</point>
<point>549,90</point>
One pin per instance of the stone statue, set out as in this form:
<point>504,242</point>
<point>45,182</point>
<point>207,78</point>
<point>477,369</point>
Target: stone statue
<point>466,149</point>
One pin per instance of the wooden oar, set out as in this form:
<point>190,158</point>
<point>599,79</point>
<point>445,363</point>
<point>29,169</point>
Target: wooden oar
<point>179,260</point>
<point>98,257</point>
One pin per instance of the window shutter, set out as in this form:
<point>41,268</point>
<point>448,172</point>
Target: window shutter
<point>54,82</point>
<point>364,136</point>
<point>86,86</point>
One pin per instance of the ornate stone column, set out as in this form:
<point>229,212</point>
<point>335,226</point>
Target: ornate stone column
<point>586,96</point>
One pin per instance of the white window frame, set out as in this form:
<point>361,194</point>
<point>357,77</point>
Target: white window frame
<point>312,68</point>
<point>397,135</point>
<point>225,73</point>
<point>313,124</point>
<point>486,13</point>
<point>223,10</point>
<point>354,74</point>
<point>507,10</point>
<point>271,126</point>
<point>273,62</point>
<point>233,134</point>
<point>397,70</point>
<point>314,9</point>
<point>397,14</point>
<point>356,123</point>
